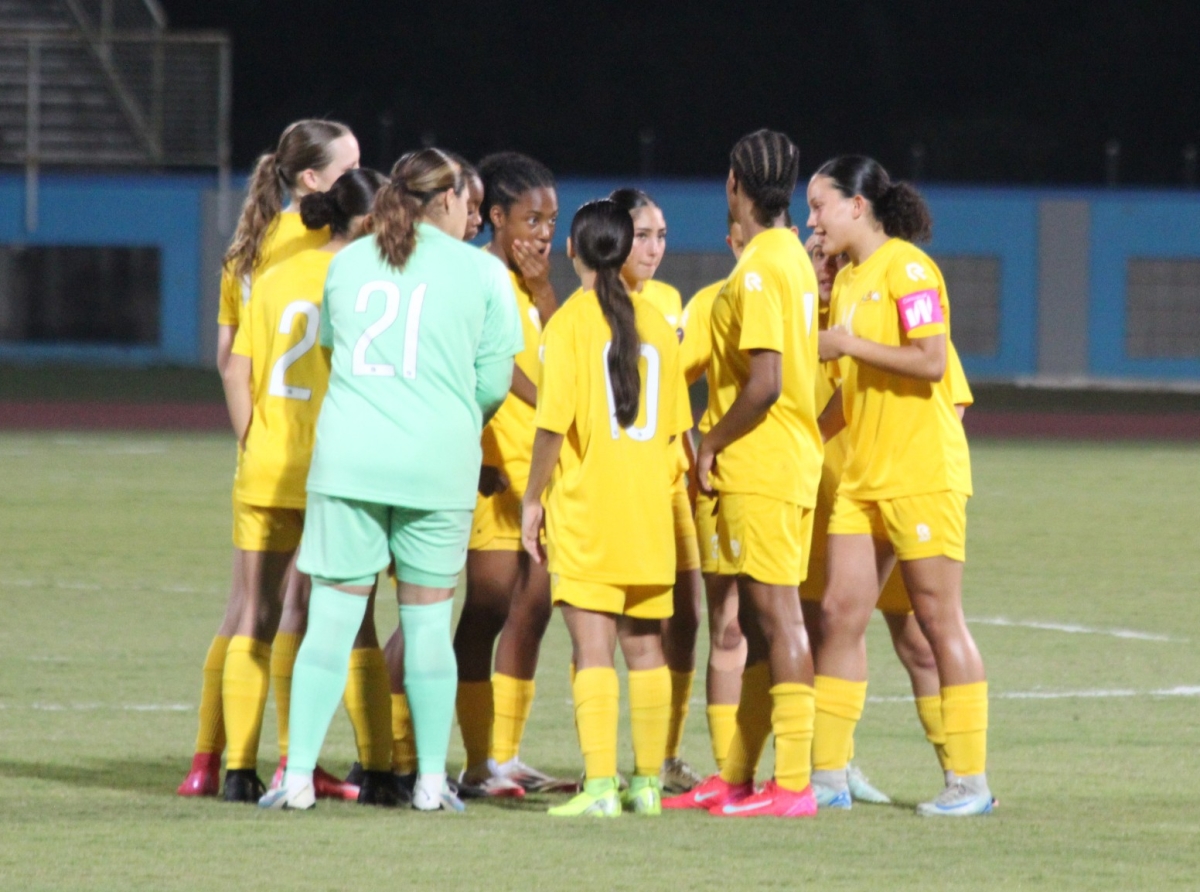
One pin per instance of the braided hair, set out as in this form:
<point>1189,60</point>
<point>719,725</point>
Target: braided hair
<point>765,165</point>
<point>506,177</point>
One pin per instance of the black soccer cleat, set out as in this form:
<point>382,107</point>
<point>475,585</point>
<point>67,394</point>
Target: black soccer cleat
<point>243,785</point>
<point>382,788</point>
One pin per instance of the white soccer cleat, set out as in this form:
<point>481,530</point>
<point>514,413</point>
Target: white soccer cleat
<point>532,780</point>
<point>862,790</point>
<point>433,793</point>
<point>299,799</point>
<point>965,798</point>
<point>679,777</point>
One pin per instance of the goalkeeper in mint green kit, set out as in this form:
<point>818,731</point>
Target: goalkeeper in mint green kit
<point>424,329</point>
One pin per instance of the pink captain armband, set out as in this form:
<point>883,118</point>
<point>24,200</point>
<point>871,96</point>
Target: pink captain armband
<point>919,309</point>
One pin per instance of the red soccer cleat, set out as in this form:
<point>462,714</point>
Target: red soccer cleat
<point>712,793</point>
<point>773,801</point>
<point>329,787</point>
<point>204,779</point>
<point>325,784</point>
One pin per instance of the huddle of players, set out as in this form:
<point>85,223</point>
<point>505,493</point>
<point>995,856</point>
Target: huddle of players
<point>593,425</point>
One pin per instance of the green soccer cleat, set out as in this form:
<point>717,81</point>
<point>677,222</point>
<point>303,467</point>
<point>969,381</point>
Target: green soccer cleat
<point>599,799</point>
<point>644,796</point>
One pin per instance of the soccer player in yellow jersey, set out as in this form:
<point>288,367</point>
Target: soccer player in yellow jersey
<point>611,401</point>
<point>726,644</point>
<point>310,156</point>
<point>904,487</point>
<point>508,596</point>
<point>762,458</point>
<point>845,782</point>
<point>274,382</point>
<point>679,632</point>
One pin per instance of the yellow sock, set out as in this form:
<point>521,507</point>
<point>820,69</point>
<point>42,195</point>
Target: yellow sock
<point>792,712</point>
<point>475,712</point>
<point>512,700</point>
<point>965,718</point>
<point>283,658</point>
<point>369,707</point>
<point>244,695</point>
<point>404,744</point>
<point>929,711</point>
<point>850,751</point>
<point>839,707</point>
<point>650,707</point>
<point>753,726</point>
<point>722,723</point>
<point>597,696</point>
<point>210,738</point>
<point>681,695</point>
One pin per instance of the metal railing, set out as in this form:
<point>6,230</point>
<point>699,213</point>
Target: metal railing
<point>115,89</point>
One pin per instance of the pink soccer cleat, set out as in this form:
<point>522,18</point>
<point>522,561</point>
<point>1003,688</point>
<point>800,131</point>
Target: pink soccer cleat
<point>204,778</point>
<point>712,793</point>
<point>771,801</point>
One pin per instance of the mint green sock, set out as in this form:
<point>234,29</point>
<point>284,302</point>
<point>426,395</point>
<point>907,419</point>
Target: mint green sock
<point>322,666</point>
<point>430,680</point>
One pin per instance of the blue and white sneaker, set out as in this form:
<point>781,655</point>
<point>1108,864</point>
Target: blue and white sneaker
<point>965,798</point>
<point>862,790</point>
<point>831,797</point>
<point>283,797</point>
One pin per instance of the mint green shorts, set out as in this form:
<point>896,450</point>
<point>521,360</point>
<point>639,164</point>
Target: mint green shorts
<point>348,539</point>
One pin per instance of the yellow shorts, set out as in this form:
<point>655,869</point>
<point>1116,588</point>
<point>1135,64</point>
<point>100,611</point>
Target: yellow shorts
<point>928,525</point>
<point>893,598</point>
<point>496,525</point>
<point>763,538</point>
<point>706,533</point>
<point>687,551</point>
<point>256,528</point>
<point>637,601</point>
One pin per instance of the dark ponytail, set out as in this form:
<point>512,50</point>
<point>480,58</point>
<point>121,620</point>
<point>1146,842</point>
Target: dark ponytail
<point>897,205</point>
<point>349,197</point>
<point>602,235</point>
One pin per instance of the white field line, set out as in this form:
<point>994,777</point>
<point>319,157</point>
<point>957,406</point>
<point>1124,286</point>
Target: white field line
<point>1094,694</point>
<point>95,587</point>
<point>1070,628</point>
<point>94,707</point>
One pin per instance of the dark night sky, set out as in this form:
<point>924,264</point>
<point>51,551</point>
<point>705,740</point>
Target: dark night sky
<point>1020,91</point>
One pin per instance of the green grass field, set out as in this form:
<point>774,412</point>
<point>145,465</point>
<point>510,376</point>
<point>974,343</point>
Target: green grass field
<point>114,561</point>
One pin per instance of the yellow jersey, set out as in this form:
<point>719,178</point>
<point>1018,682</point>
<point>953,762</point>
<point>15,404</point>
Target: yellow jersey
<point>508,437</point>
<point>769,302</point>
<point>904,435</point>
<point>285,237</point>
<point>608,508</point>
<point>289,377</point>
<point>667,301</point>
<point>697,340</point>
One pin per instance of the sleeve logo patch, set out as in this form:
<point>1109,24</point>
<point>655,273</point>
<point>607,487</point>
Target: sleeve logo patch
<point>753,282</point>
<point>920,308</point>
<point>916,272</point>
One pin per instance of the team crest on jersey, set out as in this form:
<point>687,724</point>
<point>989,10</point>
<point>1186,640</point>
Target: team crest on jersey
<point>871,296</point>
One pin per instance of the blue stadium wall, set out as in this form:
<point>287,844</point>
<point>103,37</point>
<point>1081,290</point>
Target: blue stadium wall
<point>1061,284</point>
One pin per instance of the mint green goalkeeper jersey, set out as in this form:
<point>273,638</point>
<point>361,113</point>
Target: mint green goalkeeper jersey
<point>400,424</point>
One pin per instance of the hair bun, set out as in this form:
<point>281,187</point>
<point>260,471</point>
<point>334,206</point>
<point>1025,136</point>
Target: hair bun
<point>317,210</point>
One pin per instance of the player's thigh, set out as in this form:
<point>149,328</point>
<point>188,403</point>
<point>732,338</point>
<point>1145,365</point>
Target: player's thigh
<point>429,547</point>
<point>343,539</point>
